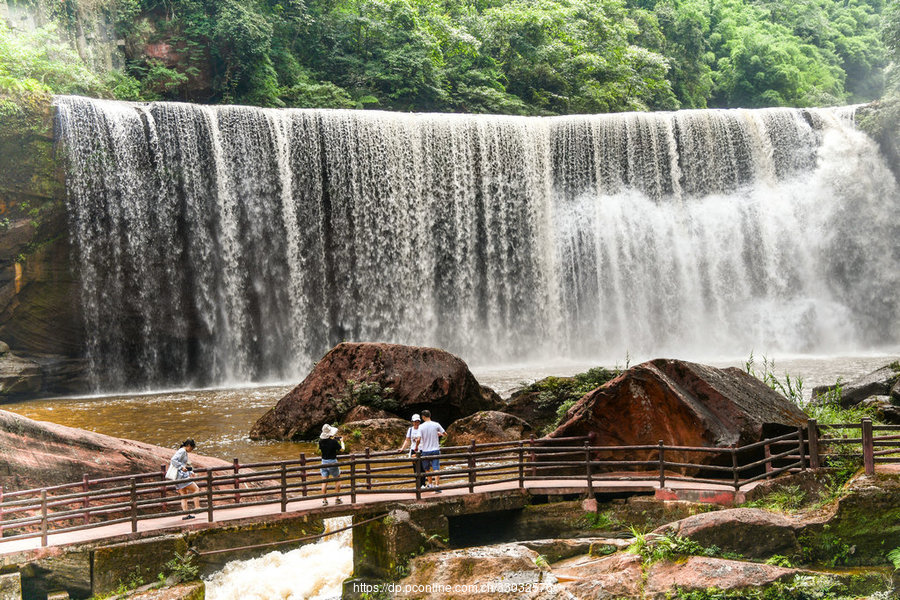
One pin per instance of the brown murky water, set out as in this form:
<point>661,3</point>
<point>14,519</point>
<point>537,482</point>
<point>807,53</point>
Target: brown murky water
<point>220,419</point>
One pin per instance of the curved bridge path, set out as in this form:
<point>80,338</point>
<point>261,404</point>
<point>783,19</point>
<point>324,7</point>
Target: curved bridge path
<point>719,493</point>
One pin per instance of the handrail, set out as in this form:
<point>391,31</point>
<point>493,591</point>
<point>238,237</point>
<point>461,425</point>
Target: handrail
<point>92,503</point>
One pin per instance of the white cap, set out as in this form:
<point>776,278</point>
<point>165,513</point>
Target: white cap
<point>416,417</point>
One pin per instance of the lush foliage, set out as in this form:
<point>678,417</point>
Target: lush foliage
<point>498,56</point>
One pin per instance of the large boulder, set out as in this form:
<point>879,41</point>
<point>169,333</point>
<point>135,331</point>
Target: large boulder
<point>486,427</point>
<point>879,382</point>
<point>419,379</point>
<point>36,454</point>
<point>683,404</point>
<point>750,532</point>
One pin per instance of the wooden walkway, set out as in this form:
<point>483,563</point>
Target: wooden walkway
<point>313,506</point>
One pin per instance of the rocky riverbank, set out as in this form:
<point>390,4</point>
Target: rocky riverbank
<point>833,544</point>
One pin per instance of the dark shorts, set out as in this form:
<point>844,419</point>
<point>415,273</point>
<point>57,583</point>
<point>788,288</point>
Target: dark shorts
<point>333,472</point>
<point>430,460</point>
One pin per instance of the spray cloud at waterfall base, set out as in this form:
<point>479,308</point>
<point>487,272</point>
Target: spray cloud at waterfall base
<point>231,244</point>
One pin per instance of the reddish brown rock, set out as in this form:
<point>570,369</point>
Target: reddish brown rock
<point>376,434</point>
<point>588,578</point>
<point>750,532</point>
<point>684,404</point>
<point>486,427</point>
<point>699,573</point>
<point>420,378</point>
<point>36,454</point>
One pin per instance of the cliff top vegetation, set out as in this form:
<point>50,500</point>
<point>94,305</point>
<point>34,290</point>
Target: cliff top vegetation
<point>530,57</point>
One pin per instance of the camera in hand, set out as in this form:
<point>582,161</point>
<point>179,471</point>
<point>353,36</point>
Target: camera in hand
<point>189,468</point>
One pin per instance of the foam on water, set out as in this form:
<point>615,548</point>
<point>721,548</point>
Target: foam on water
<point>312,572</point>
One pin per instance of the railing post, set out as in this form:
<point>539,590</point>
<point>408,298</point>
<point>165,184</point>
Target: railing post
<point>368,469</point>
<point>303,472</point>
<point>767,449</point>
<point>209,496</point>
<point>802,448</point>
<point>472,467</point>
<point>165,484</point>
<point>521,465</point>
<point>352,479</point>
<point>237,481</point>
<point>1,511</point>
<point>532,458</point>
<point>587,458</point>
<point>417,469</point>
<point>85,487</point>
<point>43,517</point>
<point>662,465</point>
<point>812,432</point>
<point>734,468</point>
<point>133,505</point>
<point>283,487</point>
<point>868,446</point>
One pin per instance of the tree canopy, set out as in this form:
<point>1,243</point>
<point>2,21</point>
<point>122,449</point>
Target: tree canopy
<point>540,57</point>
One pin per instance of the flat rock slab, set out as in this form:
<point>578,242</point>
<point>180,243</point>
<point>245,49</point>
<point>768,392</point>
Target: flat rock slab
<point>561,549</point>
<point>700,573</point>
<point>195,590</point>
<point>750,532</point>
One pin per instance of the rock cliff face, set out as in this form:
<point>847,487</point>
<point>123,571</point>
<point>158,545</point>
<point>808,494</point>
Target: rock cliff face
<point>419,379</point>
<point>39,316</point>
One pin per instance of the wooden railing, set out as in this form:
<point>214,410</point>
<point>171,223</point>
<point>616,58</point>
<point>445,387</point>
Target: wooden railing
<point>92,503</point>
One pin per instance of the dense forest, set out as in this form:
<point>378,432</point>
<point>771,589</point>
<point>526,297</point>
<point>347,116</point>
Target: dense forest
<point>530,57</point>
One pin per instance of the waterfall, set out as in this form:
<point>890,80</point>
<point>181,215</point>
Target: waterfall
<point>221,244</point>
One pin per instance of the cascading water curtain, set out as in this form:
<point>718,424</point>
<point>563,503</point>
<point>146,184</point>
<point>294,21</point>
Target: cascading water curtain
<point>230,244</point>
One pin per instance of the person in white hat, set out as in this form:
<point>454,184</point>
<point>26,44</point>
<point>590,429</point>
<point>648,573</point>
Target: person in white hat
<point>414,440</point>
<point>329,445</point>
<point>413,436</point>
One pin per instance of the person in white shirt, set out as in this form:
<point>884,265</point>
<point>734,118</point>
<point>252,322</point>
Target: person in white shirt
<point>414,441</point>
<point>431,432</point>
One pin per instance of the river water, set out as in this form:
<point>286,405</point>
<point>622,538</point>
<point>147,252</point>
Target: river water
<point>220,419</point>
